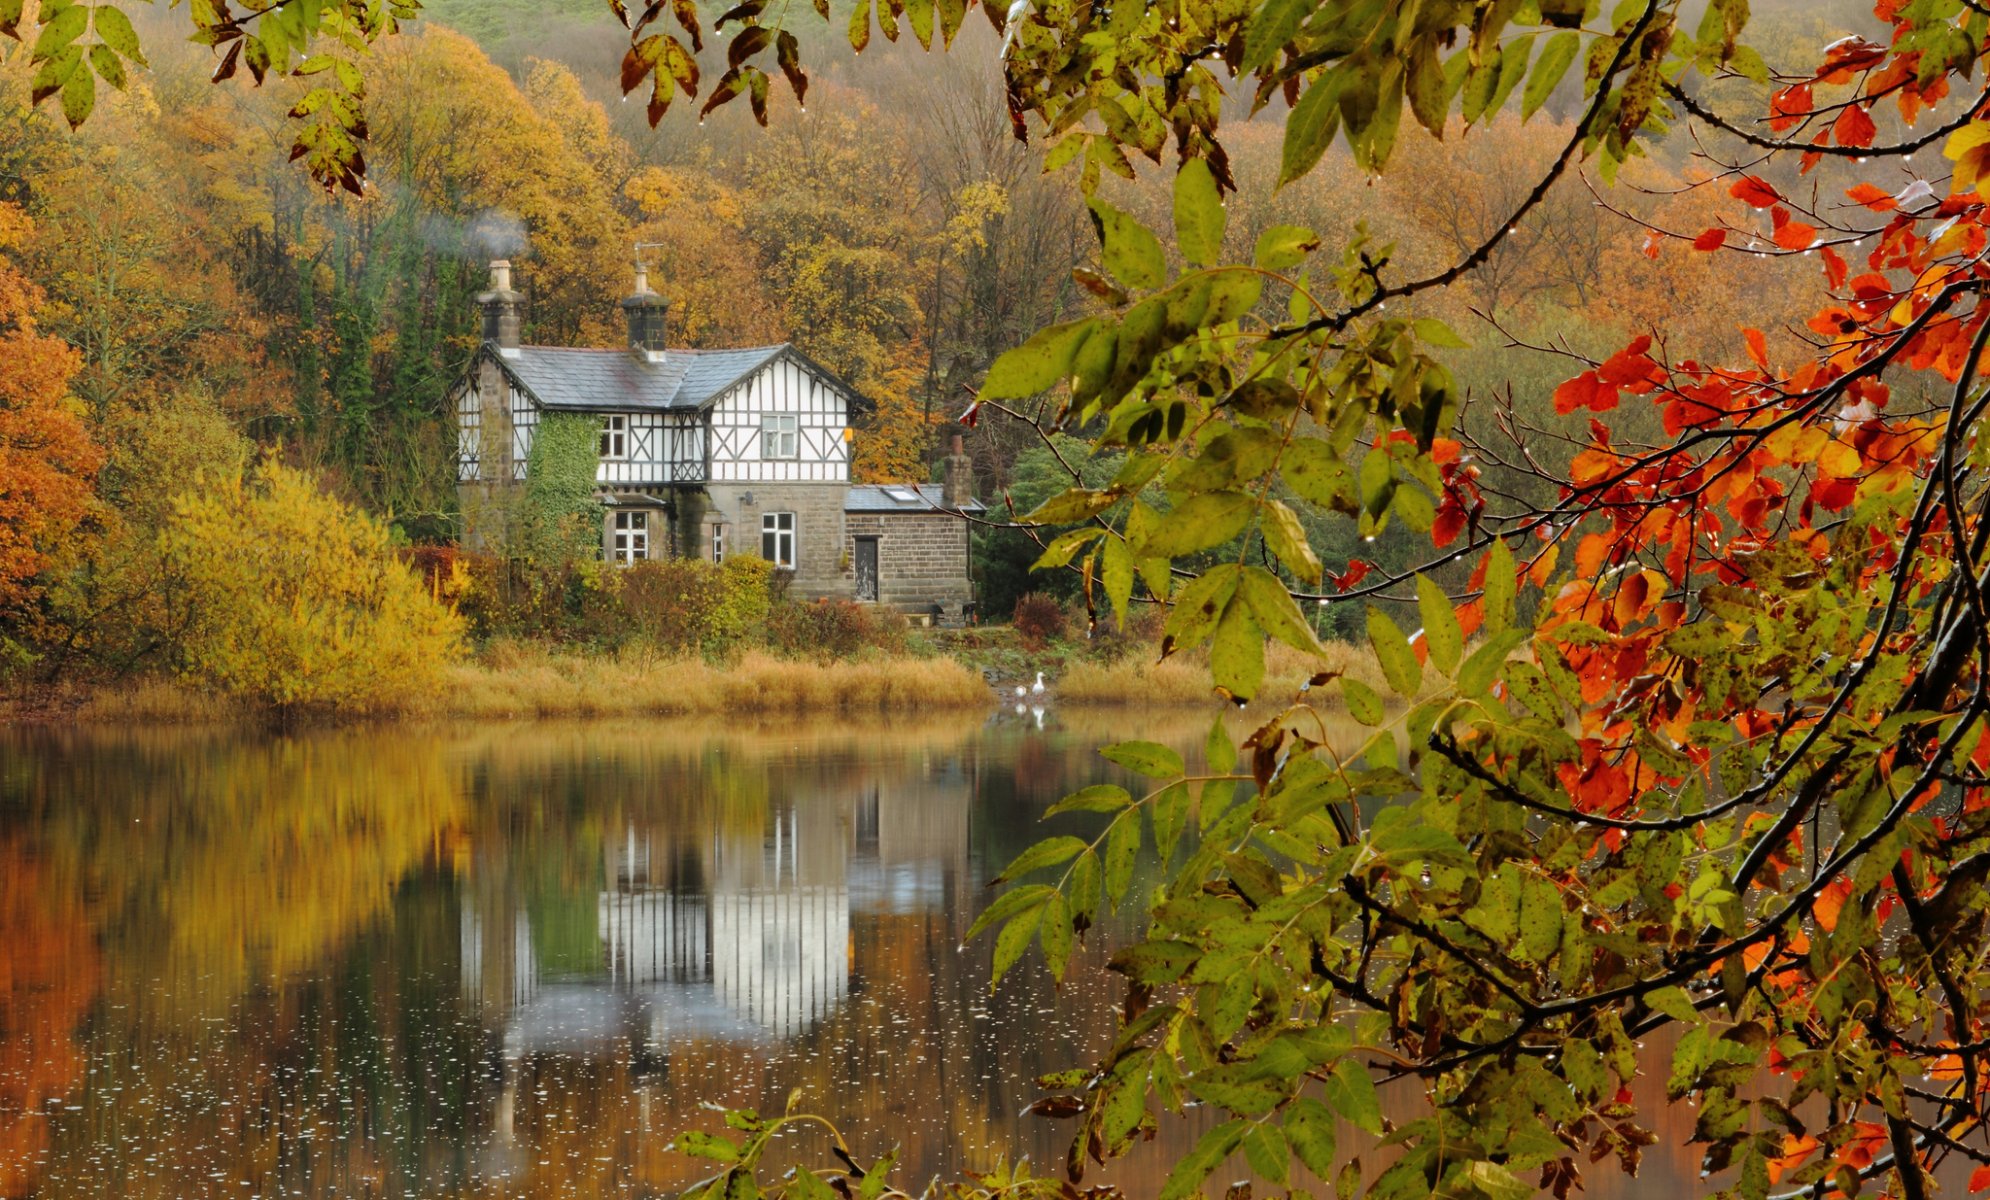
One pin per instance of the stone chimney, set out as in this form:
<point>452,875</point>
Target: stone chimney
<point>646,312</point>
<point>501,308</point>
<point>959,477</point>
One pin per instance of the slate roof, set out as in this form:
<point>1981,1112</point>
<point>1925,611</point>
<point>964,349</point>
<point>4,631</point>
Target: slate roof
<point>922,497</point>
<point>581,380</point>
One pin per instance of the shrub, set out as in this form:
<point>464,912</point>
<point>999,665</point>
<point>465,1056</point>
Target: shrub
<point>833,629</point>
<point>294,599</point>
<point>1039,618</point>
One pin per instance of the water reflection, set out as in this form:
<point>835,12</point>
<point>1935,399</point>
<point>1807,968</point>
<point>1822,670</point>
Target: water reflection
<point>514,960</point>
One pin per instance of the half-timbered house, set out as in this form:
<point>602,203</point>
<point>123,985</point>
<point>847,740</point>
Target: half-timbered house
<point>708,453</point>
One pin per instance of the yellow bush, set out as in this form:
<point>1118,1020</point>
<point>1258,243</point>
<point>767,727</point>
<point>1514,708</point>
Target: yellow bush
<point>296,600</point>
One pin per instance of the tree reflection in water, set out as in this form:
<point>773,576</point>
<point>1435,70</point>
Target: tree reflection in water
<point>514,960</point>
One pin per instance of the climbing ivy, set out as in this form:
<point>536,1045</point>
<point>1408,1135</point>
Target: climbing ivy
<point>561,518</point>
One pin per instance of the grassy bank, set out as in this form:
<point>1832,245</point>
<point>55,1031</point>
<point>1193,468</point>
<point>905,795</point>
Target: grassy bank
<point>959,671</point>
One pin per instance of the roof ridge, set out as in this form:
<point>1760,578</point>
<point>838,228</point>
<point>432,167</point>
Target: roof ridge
<point>668,350</point>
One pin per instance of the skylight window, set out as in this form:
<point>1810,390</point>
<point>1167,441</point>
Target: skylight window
<point>902,495</point>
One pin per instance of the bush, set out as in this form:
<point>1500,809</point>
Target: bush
<point>1039,618</point>
<point>294,599</point>
<point>833,629</point>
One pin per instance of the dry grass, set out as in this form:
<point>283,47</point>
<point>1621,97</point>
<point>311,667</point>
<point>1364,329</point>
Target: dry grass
<point>513,682</point>
<point>1184,679</point>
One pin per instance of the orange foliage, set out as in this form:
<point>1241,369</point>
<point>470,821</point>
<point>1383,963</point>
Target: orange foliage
<point>48,975</point>
<point>47,460</point>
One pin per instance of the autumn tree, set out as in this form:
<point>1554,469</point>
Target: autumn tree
<point>47,460</point>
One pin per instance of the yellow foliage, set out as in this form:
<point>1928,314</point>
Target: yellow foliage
<point>295,599</point>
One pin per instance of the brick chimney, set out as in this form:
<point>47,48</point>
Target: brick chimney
<point>646,312</point>
<point>501,308</point>
<point>959,477</point>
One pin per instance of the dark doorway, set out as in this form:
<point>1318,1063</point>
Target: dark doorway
<point>867,568</point>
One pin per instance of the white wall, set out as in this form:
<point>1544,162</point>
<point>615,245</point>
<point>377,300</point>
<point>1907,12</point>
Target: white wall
<point>784,387</point>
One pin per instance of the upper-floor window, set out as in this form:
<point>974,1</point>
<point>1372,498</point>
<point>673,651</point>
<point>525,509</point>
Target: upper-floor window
<point>777,538</point>
<point>615,436</point>
<point>632,536</point>
<point>780,436</point>
<point>718,543</point>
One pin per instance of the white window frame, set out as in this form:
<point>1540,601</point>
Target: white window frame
<point>630,541</point>
<point>780,436</point>
<point>615,437</point>
<point>777,539</point>
<point>718,543</point>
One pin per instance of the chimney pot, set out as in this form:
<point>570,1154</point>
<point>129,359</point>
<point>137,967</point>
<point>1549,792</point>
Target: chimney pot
<point>959,478</point>
<point>646,312</point>
<point>502,308</point>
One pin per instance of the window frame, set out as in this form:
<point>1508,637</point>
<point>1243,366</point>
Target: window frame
<point>784,431</point>
<point>772,534</point>
<point>615,437</point>
<point>718,545</point>
<point>629,543</point>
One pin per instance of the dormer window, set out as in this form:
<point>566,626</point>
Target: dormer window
<point>615,437</point>
<point>780,436</point>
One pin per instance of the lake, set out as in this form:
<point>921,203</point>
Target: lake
<point>516,959</point>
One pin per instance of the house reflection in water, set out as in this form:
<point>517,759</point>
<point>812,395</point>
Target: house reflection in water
<point>717,937</point>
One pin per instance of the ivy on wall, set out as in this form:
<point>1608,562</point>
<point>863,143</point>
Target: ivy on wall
<point>561,518</point>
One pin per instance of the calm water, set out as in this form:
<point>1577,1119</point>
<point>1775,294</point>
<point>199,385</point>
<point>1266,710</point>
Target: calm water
<point>513,960</point>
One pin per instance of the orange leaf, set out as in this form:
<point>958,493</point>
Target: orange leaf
<point>1712,239</point>
<point>1585,391</point>
<point>1754,191</point>
<point>1795,235</point>
<point>1853,127</point>
<point>1872,197</point>
<point>1758,347</point>
<point>1979,1179</point>
<point>1789,106</point>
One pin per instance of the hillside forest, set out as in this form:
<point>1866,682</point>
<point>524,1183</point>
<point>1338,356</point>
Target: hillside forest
<point>191,299</point>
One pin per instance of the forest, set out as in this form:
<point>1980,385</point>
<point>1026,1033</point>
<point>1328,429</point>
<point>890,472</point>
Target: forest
<point>182,299</point>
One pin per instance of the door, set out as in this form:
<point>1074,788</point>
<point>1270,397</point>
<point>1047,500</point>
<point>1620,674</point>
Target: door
<point>867,568</point>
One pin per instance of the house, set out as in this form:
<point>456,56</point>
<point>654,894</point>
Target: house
<point>707,453</point>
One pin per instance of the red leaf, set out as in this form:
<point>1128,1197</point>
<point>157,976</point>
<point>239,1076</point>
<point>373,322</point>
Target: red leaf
<point>1834,268</point>
<point>1795,235</point>
<point>1652,239</point>
<point>1789,106</point>
<point>1853,127</point>
<point>1712,239</point>
<point>1872,197</point>
<point>1979,1179</point>
<point>1754,191</point>
<point>1585,391</point>
<point>1758,347</point>
<point>1846,57</point>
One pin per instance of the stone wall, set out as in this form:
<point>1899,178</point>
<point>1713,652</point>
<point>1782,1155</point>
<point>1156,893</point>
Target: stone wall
<point>822,548</point>
<point>922,560</point>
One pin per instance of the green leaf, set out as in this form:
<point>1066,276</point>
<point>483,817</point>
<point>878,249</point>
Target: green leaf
<point>1116,573</point>
<point>1271,29</point>
<point>1122,848</point>
<point>108,66</point>
<point>79,96</point>
<point>1399,661</point>
<point>1236,653</point>
<point>1201,605</point>
<point>1168,813</point>
<point>1311,127</point>
<point>1197,523</point>
<point>1549,68</point>
<point>1275,611</point>
<point>1046,853</point>
<point>1284,246</point>
<point>1196,1166</point>
<point>1479,671</point>
<point>807,1185</point>
<point>1500,583</point>
<point>1054,929</point>
<point>1352,1094</point>
<point>705,1145</point>
<point>1130,252</point>
<point>1441,634</point>
<point>114,28</point>
<point>1287,538</point>
<point>1065,546</point>
<point>1146,758</point>
<point>1429,95</point>
<point>1068,506</point>
<point>1039,364</point>
<point>1364,703</point>
<point>1433,332</point>
<point>1156,962</point>
<point>60,30</point>
<point>1265,1150</point>
<point>1100,797</point>
<point>1199,215</point>
<point>10,17</point>
<point>1318,474</point>
<point>1674,1003</point>
<point>1540,918</point>
<point>1309,1129</point>
<point>1014,939</point>
<point>1007,905</point>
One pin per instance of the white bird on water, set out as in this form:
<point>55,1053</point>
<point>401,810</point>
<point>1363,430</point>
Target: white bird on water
<point>1021,691</point>
<point>1039,689</point>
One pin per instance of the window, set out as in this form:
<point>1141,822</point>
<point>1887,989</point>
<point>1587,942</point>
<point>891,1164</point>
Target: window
<point>718,543</point>
<point>780,437</point>
<point>632,536</point>
<point>777,538</point>
<point>615,437</point>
